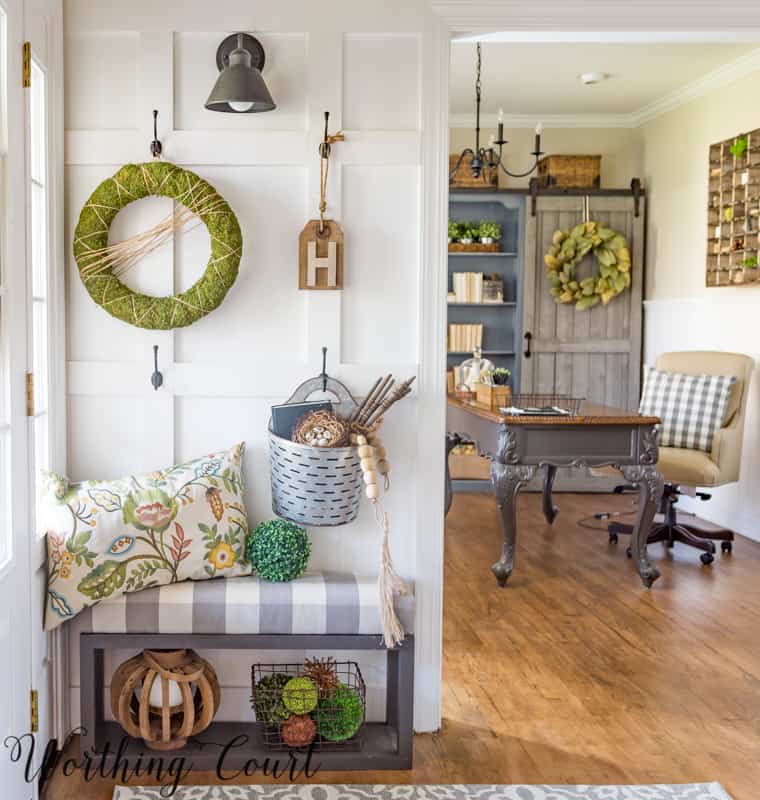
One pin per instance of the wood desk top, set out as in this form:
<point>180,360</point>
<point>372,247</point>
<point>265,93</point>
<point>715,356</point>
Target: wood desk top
<point>590,414</point>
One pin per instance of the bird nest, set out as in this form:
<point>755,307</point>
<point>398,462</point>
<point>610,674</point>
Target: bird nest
<point>322,429</point>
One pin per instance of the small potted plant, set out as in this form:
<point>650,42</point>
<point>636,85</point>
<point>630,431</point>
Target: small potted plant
<point>454,231</point>
<point>750,262</point>
<point>501,376</point>
<point>467,232</point>
<point>489,232</point>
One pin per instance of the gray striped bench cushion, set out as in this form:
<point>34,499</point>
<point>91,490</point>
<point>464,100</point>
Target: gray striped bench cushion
<point>317,603</point>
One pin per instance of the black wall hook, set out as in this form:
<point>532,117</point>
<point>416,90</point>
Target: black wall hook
<point>157,379</point>
<point>324,369</point>
<point>155,145</point>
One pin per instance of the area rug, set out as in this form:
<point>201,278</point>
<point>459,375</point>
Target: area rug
<point>683,791</point>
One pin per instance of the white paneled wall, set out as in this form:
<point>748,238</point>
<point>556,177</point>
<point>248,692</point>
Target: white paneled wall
<point>367,67</point>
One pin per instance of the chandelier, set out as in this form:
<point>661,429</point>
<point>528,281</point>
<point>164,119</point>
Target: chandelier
<point>483,157</point>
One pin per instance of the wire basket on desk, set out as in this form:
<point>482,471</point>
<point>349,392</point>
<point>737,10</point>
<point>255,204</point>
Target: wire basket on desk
<point>268,683</point>
<point>535,403</point>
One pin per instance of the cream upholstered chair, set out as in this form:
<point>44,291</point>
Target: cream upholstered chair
<point>694,468</point>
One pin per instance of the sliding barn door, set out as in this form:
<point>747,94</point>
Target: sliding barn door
<point>594,354</point>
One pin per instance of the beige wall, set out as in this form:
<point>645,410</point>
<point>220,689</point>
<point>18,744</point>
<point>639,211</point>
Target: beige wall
<point>680,312</point>
<point>620,149</point>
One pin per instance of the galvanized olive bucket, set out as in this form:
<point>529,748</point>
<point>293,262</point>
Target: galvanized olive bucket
<point>319,486</point>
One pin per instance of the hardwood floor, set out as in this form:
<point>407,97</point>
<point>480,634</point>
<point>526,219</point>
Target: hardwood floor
<point>576,674</point>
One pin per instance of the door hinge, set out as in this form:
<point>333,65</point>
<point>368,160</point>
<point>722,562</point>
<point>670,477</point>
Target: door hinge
<point>26,65</point>
<point>34,711</point>
<point>30,394</point>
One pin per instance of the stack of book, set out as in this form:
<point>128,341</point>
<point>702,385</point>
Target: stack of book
<point>468,287</point>
<point>465,338</point>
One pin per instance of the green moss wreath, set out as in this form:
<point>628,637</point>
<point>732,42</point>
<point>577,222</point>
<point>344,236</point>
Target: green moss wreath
<point>569,247</point>
<point>130,183</point>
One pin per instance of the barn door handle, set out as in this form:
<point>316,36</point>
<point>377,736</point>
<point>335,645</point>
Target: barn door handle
<point>528,337</point>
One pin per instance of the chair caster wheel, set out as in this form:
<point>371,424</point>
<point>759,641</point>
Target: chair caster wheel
<point>726,547</point>
<point>613,538</point>
<point>707,558</point>
<point>629,552</point>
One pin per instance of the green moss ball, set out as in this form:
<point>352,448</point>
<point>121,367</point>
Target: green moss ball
<point>300,695</point>
<point>267,699</point>
<point>278,550</point>
<point>340,715</point>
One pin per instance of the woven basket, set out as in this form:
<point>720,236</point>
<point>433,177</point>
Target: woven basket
<point>318,486</point>
<point>463,179</point>
<point>570,172</point>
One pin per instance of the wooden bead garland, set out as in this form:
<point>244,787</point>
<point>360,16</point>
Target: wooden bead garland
<point>374,463</point>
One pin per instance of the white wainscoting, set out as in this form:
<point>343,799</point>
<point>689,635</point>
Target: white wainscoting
<point>726,322</point>
<point>382,76</point>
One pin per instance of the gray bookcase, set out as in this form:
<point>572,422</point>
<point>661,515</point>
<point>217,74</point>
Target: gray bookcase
<point>502,324</point>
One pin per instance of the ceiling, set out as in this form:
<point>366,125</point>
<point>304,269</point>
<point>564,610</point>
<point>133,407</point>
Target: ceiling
<point>541,79</point>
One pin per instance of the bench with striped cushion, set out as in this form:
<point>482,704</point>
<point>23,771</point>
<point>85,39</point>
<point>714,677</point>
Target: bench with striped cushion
<point>320,611</point>
<point>317,603</point>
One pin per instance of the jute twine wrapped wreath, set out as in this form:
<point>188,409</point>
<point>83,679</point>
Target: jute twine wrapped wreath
<point>100,264</point>
<point>569,247</point>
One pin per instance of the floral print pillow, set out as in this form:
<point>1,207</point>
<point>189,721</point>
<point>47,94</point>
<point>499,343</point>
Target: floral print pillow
<point>106,538</point>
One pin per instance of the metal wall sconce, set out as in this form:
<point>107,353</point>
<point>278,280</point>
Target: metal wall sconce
<point>240,88</point>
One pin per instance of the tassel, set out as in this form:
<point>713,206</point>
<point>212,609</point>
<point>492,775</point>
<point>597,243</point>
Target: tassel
<point>389,585</point>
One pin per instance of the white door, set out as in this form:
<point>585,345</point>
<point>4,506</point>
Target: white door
<point>42,31</point>
<point>15,501</point>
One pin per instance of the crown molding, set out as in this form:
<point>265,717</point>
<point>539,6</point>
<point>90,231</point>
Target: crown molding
<point>548,120</point>
<point>697,16</point>
<point>716,79</point>
<point>743,36</point>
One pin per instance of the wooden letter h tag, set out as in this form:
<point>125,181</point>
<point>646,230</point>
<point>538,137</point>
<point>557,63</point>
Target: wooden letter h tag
<point>320,256</point>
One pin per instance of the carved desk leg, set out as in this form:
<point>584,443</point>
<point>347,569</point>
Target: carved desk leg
<point>550,510</point>
<point>452,440</point>
<point>650,484</point>
<point>507,480</point>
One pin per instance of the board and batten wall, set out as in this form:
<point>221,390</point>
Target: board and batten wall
<point>381,72</point>
<point>680,312</point>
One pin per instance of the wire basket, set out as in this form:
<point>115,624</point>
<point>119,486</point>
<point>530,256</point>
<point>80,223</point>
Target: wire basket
<point>318,486</point>
<point>540,402</point>
<point>271,713</point>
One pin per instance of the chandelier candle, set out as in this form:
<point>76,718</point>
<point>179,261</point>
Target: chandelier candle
<point>482,157</point>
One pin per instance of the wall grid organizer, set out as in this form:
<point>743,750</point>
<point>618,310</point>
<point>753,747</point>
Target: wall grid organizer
<point>733,211</point>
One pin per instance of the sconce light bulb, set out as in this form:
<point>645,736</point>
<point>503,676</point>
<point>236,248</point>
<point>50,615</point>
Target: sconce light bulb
<point>500,118</point>
<point>240,105</point>
<point>539,128</point>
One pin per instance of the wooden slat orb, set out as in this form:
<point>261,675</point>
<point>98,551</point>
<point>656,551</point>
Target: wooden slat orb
<point>165,726</point>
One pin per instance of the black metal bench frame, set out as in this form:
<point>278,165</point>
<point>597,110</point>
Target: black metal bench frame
<point>385,745</point>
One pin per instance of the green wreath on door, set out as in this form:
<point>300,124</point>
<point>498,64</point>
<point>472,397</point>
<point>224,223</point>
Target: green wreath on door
<point>96,259</point>
<point>569,247</point>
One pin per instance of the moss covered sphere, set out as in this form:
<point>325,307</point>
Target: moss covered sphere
<point>278,550</point>
<point>300,695</point>
<point>133,182</point>
<point>340,715</point>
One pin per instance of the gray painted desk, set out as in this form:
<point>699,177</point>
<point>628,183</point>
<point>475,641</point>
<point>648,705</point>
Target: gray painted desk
<point>598,436</point>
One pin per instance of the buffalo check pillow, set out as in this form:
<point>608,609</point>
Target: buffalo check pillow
<point>692,407</point>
